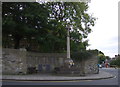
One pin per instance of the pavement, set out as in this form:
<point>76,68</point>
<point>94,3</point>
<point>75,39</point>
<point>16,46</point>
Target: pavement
<point>51,77</point>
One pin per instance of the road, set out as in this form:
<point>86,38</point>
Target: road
<point>111,81</point>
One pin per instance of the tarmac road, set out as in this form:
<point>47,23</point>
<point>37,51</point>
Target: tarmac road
<point>111,81</point>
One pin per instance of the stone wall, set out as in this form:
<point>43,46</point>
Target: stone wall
<point>88,66</point>
<point>0,62</point>
<point>45,62</point>
<point>14,61</point>
<point>91,65</point>
<point>17,61</point>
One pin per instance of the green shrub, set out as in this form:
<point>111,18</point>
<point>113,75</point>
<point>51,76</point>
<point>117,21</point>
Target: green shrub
<point>118,62</point>
<point>101,58</point>
<point>115,62</point>
<point>83,55</point>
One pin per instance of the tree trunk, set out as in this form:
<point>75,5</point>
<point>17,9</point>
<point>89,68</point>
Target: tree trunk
<point>17,42</point>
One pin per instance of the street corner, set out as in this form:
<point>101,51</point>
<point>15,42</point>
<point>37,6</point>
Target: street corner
<point>101,75</point>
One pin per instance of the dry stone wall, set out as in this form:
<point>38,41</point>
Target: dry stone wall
<point>91,65</point>
<point>45,62</point>
<point>17,61</point>
<point>13,61</point>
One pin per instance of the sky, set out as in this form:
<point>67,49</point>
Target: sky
<point>104,36</point>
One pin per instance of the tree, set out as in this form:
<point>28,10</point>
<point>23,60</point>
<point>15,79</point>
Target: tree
<point>115,62</point>
<point>101,58</point>
<point>107,57</point>
<point>22,20</point>
<point>46,22</point>
<point>80,21</point>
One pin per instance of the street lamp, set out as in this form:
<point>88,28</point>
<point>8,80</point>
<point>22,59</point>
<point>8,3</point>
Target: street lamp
<point>68,61</point>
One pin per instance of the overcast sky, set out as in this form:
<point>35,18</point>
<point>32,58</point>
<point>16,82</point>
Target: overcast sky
<point>105,33</point>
